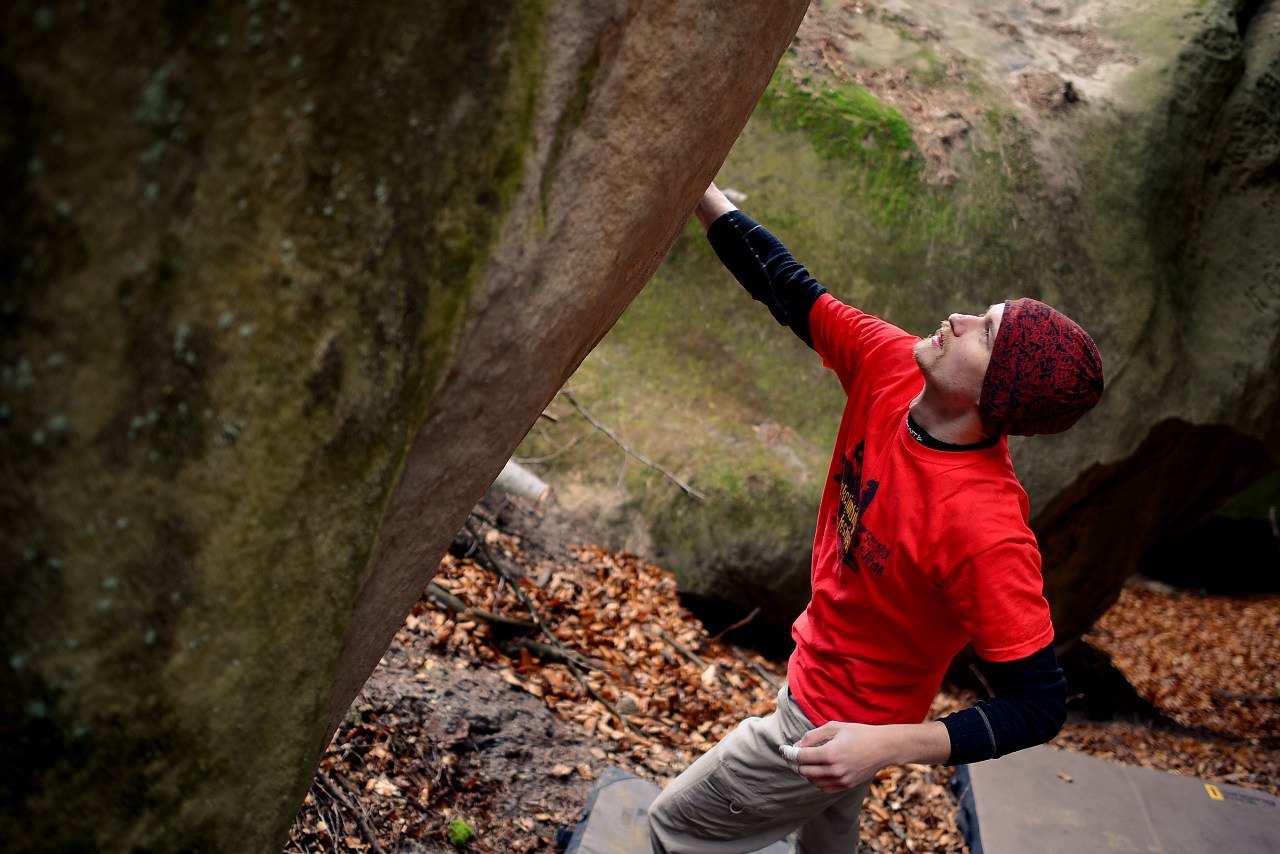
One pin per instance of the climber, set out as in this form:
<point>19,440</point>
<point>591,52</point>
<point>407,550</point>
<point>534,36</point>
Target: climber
<point>922,546</point>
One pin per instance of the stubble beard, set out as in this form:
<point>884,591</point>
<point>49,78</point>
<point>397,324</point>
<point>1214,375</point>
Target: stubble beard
<point>924,356</point>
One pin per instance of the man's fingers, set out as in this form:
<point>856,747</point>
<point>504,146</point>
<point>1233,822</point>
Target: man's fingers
<point>819,736</point>
<point>805,761</point>
<point>825,781</point>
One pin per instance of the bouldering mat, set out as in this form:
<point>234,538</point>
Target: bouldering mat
<point>1054,801</point>
<point>613,820</point>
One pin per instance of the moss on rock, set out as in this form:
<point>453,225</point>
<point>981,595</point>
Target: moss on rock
<point>247,257</point>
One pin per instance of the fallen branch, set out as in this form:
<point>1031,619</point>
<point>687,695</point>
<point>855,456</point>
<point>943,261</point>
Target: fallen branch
<point>490,518</point>
<point>1248,698</point>
<point>590,689</point>
<point>508,570</point>
<point>755,612</point>
<point>333,817</point>
<point>365,830</point>
<point>504,569</point>
<point>445,599</point>
<point>760,671</point>
<point>630,452</point>
<point>487,560</point>
<point>680,648</point>
<point>547,652</point>
<point>546,458</point>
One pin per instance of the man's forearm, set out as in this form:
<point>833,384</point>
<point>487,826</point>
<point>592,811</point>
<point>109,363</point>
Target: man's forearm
<point>1028,707</point>
<point>928,743</point>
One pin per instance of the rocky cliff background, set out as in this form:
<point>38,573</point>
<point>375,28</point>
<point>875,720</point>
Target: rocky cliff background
<point>283,286</point>
<point>1118,160</point>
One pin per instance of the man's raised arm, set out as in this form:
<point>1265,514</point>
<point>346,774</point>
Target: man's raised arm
<point>760,263</point>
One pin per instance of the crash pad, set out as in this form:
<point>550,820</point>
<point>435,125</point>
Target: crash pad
<point>614,822</point>
<point>1054,801</point>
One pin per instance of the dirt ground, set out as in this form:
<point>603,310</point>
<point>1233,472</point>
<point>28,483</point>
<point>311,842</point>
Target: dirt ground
<point>493,747</point>
<point>470,746</point>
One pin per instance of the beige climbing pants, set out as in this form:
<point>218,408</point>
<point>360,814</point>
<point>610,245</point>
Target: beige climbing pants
<point>742,795</point>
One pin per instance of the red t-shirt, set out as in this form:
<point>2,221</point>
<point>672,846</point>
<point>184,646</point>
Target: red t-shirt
<point>917,551</point>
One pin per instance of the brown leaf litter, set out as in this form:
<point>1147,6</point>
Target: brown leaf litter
<point>466,720</point>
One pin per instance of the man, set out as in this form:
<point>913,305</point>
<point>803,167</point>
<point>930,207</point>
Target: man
<point>922,546</point>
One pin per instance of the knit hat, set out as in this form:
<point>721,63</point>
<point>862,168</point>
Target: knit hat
<point>1045,372</point>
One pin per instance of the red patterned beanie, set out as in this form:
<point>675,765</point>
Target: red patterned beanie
<point>1045,372</point>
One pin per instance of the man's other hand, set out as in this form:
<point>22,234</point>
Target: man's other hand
<point>838,756</point>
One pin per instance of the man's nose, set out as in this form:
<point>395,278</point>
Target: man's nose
<point>960,323</point>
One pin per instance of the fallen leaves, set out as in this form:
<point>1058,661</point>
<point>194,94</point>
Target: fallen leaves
<point>664,691</point>
<point>1181,651</point>
<point>382,786</point>
<point>1204,661</point>
<point>654,692</point>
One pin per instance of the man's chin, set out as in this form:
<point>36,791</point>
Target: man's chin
<point>923,352</point>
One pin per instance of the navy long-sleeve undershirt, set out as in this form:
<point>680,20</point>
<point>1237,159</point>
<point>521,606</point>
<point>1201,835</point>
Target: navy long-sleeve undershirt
<point>1027,707</point>
<point>763,266</point>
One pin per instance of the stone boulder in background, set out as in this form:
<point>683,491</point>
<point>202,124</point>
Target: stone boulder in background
<point>1190,310</point>
<point>1117,159</point>
<point>283,286</point>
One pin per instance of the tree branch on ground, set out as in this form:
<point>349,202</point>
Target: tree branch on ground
<point>591,419</point>
<point>486,559</point>
<point>1247,698</point>
<point>365,830</point>
<point>755,612</point>
<point>445,599</point>
<point>559,654</point>
<point>679,647</point>
<point>546,458</point>
<point>760,671</point>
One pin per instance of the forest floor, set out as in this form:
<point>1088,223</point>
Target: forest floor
<point>481,731</point>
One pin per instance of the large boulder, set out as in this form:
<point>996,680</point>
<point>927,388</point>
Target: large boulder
<point>1191,310</point>
<point>1115,159</point>
<point>283,286</point>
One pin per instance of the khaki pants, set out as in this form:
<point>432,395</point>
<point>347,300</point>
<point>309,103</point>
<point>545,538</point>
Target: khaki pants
<point>742,795</point>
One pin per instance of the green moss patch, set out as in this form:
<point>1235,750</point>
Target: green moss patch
<point>846,123</point>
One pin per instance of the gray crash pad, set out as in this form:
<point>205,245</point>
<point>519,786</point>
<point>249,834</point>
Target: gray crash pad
<point>614,818</point>
<point>1057,802</point>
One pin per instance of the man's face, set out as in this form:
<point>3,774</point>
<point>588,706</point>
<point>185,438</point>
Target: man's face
<point>955,359</point>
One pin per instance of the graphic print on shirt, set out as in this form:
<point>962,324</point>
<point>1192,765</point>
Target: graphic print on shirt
<point>858,546</point>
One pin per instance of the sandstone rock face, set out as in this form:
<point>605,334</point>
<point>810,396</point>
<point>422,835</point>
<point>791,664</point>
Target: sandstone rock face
<point>1116,159</point>
<point>1192,409</point>
<point>283,287</point>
